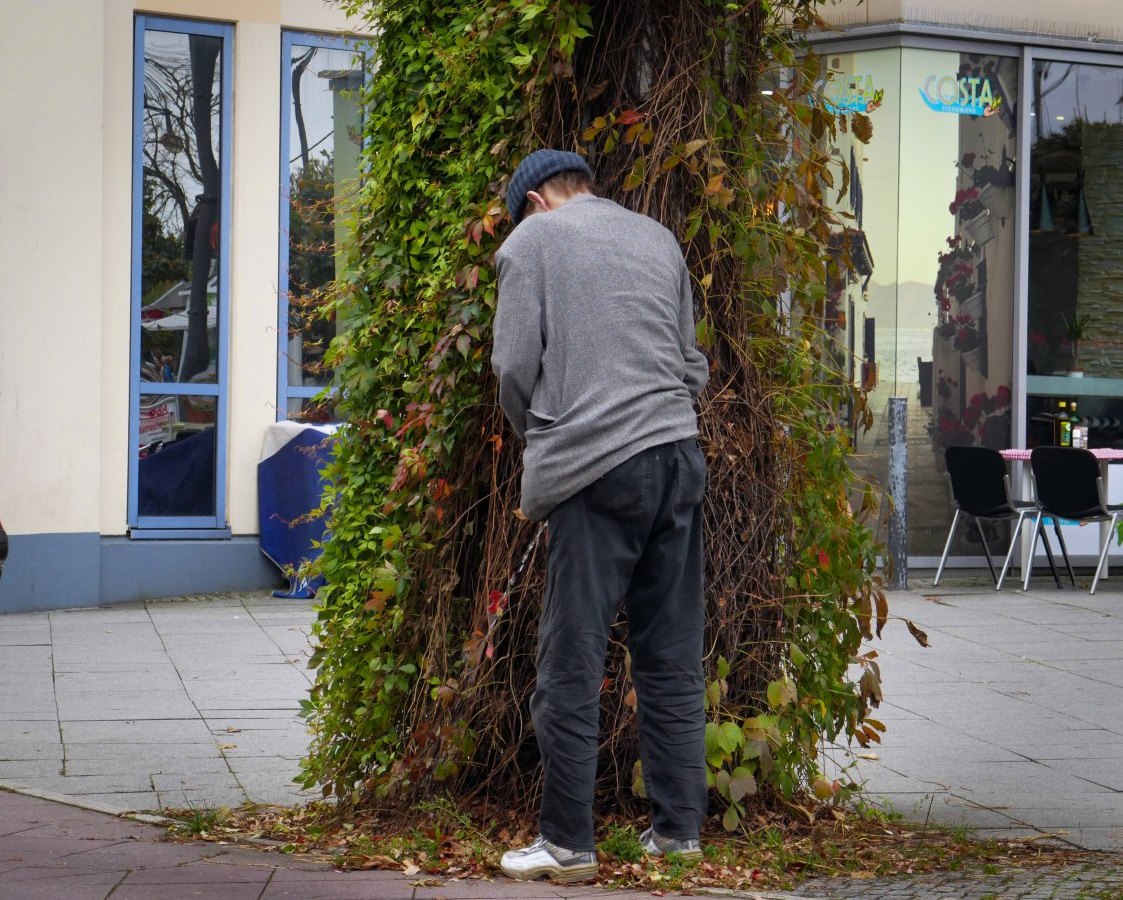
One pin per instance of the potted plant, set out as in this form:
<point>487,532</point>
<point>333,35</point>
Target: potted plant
<point>1077,329</point>
<point>966,204</point>
<point>981,228</point>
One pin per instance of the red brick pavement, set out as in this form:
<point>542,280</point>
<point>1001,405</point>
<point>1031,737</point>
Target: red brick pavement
<point>51,851</point>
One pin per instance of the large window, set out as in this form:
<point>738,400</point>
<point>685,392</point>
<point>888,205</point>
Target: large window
<point>1074,348</point>
<point>930,140</point>
<point>180,277</point>
<point>320,140</point>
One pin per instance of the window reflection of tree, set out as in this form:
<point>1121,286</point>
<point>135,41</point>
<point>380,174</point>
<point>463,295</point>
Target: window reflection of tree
<point>312,203</point>
<point>181,171</point>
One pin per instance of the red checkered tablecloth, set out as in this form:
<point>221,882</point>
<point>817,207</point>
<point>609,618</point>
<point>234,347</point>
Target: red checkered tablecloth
<point>1103,453</point>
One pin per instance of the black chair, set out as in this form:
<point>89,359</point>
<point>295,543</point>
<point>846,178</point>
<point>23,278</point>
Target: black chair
<point>1069,486</point>
<point>981,490</point>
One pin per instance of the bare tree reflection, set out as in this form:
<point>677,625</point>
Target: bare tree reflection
<point>181,170</point>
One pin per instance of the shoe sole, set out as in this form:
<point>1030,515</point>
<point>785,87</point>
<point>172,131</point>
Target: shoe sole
<point>685,855</point>
<point>564,876</point>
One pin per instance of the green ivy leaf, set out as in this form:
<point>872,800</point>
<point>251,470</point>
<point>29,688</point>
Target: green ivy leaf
<point>730,737</point>
<point>781,693</point>
<point>742,784</point>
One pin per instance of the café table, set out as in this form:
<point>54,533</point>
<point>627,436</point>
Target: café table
<point>1106,457</point>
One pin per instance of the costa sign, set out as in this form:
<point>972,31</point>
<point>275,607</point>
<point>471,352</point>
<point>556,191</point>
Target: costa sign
<point>967,96</point>
<point>855,93</point>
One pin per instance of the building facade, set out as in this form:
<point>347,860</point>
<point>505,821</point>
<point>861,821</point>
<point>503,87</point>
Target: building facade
<point>175,182</point>
<point>174,177</point>
<point>990,159</point>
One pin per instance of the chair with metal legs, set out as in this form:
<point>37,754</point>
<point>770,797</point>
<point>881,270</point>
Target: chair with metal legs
<point>980,488</point>
<point>1070,486</point>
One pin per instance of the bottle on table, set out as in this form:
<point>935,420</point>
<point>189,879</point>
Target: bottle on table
<point>1062,434</point>
<point>1079,431</point>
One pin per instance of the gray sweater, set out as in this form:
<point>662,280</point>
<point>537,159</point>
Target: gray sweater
<point>594,344</point>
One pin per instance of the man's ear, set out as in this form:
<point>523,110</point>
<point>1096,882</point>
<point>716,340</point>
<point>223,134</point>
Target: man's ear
<point>538,200</point>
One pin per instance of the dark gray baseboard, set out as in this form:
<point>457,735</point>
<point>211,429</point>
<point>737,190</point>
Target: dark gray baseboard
<point>65,571</point>
<point>50,571</point>
<point>143,570</point>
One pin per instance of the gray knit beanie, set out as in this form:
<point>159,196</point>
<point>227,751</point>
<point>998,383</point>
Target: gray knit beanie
<point>538,167</point>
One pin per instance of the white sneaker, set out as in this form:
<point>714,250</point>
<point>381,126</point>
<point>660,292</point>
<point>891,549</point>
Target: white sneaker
<point>655,845</point>
<point>545,860</point>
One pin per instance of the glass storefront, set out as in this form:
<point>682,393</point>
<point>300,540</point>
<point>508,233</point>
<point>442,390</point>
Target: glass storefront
<point>985,235</point>
<point>934,162</point>
<point>1075,313</point>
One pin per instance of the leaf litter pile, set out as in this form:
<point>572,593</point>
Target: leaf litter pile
<point>777,848</point>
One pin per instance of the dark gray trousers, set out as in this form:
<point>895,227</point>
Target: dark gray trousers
<point>633,536</point>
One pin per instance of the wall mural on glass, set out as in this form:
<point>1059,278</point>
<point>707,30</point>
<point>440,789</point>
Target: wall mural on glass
<point>974,277</point>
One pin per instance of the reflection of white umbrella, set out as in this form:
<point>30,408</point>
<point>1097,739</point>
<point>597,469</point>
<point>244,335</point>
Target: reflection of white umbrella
<point>177,321</point>
<point>178,294</point>
<point>174,297</point>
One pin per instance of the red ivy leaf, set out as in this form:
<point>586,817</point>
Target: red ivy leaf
<point>629,117</point>
<point>496,602</point>
<point>824,560</point>
<point>385,418</point>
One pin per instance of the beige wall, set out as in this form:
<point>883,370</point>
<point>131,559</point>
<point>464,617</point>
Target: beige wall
<point>65,180</point>
<point>1102,19</point>
<point>50,265</point>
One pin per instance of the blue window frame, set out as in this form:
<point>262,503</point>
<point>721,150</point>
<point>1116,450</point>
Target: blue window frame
<point>320,139</point>
<point>180,280</point>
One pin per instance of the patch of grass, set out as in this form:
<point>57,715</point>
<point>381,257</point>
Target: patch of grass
<point>199,820</point>
<point>622,843</point>
<point>677,867</point>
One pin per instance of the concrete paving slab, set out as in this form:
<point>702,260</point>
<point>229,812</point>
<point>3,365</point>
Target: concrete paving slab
<point>80,785</point>
<point>22,768</point>
<point>118,801</point>
<point>92,706</point>
<point>29,730</point>
<point>11,751</point>
<point>16,658</point>
<point>196,781</point>
<point>36,708</point>
<point>152,765</point>
<point>146,754</point>
<point>203,798</point>
<point>32,634</point>
<point>94,661</point>
<point>187,730</point>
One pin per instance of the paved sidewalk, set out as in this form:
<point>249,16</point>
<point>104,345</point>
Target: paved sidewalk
<point>1011,722</point>
<point>149,705</point>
